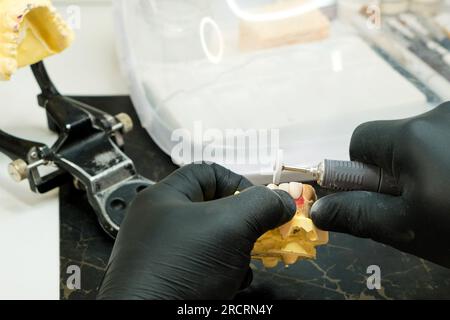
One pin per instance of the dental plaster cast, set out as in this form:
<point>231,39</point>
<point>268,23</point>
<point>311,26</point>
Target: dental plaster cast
<point>295,240</point>
<point>30,31</point>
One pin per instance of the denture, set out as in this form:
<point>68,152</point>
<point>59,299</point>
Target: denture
<point>295,240</point>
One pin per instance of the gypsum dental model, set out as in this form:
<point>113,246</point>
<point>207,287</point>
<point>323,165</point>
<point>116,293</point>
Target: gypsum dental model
<point>30,31</point>
<point>296,239</point>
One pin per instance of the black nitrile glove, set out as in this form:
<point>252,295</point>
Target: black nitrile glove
<point>190,237</point>
<point>416,151</point>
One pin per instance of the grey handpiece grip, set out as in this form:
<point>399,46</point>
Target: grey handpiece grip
<point>351,176</point>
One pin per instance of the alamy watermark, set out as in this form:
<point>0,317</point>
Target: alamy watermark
<point>73,281</point>
<point>374,279</point>
<point>72,15</point>
<point>373,13</point>
<point>226,146</point>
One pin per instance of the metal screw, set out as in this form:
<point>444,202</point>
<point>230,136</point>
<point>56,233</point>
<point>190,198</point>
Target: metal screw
<point>126,122</point>
<point>18,170</point>
<point>77,184</point>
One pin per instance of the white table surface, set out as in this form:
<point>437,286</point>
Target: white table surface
<point>29,223</point>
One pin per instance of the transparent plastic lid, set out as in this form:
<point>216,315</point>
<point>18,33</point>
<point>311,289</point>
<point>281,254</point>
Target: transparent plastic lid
<point>233,81</point>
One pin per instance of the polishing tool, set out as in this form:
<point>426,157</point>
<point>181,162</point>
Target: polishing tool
<point>278,167</point>
<point>342,175</point>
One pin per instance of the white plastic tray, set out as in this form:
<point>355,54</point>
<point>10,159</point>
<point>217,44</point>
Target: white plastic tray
<point>315,94</point>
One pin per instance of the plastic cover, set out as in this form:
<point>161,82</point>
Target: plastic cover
<point>233,81</point>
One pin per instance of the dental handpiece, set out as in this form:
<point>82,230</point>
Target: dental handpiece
<point>347,176</point>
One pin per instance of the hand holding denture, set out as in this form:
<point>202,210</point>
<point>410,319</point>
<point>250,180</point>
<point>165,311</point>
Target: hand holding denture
<point>190,237</point>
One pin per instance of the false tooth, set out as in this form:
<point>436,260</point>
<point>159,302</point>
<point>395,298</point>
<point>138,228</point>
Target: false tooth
<point>284,187</point>
<point>272,186</point>
<point>295,190</point>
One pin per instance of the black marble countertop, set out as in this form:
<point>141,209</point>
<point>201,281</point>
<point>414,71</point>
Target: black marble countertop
<point>339,272</point>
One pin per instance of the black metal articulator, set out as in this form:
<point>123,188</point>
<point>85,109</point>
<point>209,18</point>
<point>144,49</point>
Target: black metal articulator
<point>88,152</point>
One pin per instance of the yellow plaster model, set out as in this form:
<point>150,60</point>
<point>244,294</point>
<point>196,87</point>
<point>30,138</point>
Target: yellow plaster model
<point>296,239</point>
<point>30,30</point>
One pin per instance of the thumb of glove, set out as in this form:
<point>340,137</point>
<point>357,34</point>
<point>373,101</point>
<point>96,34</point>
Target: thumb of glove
<point>364,214</point>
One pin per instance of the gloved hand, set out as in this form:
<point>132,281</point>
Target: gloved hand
<point>416,151</point>
<point>190,237</point>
